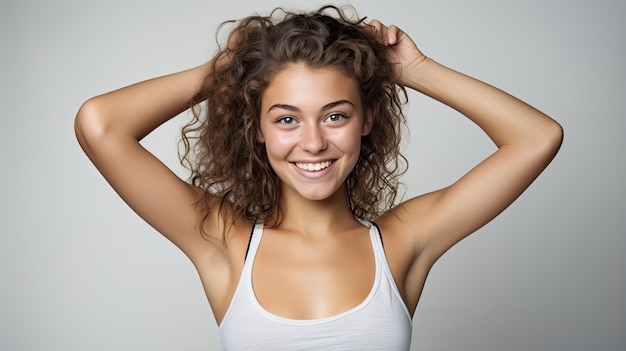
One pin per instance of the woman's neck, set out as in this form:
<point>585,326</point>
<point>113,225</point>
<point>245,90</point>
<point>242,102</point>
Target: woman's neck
<point>316,217</point>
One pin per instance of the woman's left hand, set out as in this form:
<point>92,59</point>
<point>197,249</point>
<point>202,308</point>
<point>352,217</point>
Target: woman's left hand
<point>402,49</point>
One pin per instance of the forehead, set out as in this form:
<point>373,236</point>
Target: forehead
<point>303,86</point>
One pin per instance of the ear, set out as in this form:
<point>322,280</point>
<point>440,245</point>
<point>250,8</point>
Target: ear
<point>368,122</point>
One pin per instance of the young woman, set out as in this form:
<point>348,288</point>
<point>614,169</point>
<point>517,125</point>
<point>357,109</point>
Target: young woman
<point>294,156</point>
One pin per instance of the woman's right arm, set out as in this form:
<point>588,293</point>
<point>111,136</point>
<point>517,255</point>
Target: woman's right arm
<point>109,128</point>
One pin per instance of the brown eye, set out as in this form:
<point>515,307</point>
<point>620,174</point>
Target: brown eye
<point>286,120</point>
<point>335,117</point>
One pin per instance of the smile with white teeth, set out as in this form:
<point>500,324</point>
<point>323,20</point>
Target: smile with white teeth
<point>313,166</point>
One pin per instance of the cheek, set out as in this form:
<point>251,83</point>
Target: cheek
<point>277,146</point>
<point>349,140</point>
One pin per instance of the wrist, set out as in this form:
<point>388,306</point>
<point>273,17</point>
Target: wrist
<point>414,76</point>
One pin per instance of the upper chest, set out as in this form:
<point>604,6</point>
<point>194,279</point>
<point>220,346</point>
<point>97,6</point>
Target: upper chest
<point>308,278</point>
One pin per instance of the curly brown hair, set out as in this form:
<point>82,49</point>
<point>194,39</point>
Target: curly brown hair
<point>220,143</point>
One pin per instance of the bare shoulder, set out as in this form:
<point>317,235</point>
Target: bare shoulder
<point>406,227</point>
<point>408,224</point>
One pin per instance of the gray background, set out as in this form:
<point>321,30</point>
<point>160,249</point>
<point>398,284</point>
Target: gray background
<point>80,271</point>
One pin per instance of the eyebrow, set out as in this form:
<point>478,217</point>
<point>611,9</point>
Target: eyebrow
<point>324,108</point>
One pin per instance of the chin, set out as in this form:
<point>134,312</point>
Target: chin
<point>313,196</point>
<point>319,195</point>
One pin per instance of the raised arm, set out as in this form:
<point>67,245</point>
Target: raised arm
<point>527,140</point>
<point>109,128</point>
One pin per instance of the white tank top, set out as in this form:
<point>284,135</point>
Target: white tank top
<point>380,322</point>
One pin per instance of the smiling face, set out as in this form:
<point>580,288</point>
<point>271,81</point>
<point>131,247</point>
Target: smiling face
<point>312,121</point>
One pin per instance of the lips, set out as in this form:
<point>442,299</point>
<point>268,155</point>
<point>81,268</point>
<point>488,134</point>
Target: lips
<point>313,167</point>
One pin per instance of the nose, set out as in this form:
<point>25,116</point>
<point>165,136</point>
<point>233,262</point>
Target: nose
<point>312,139</point>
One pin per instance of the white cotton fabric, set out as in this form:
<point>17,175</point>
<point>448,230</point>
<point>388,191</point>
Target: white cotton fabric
<point>380,322</point>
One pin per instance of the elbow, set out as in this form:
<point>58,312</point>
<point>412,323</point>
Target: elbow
<point>554,137</point>
<point>547,141</point>
<point>543,142</point>
<point>88,125</point>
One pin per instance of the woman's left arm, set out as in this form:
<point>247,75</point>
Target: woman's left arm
<point>527,140</point>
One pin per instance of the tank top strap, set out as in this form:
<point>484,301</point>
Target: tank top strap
<point>377,240</point>
<point>381,260</point>
<point>250,241</point>
<point>253,243</point>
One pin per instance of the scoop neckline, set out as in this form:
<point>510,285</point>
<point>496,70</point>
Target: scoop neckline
<point>291,321</point>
